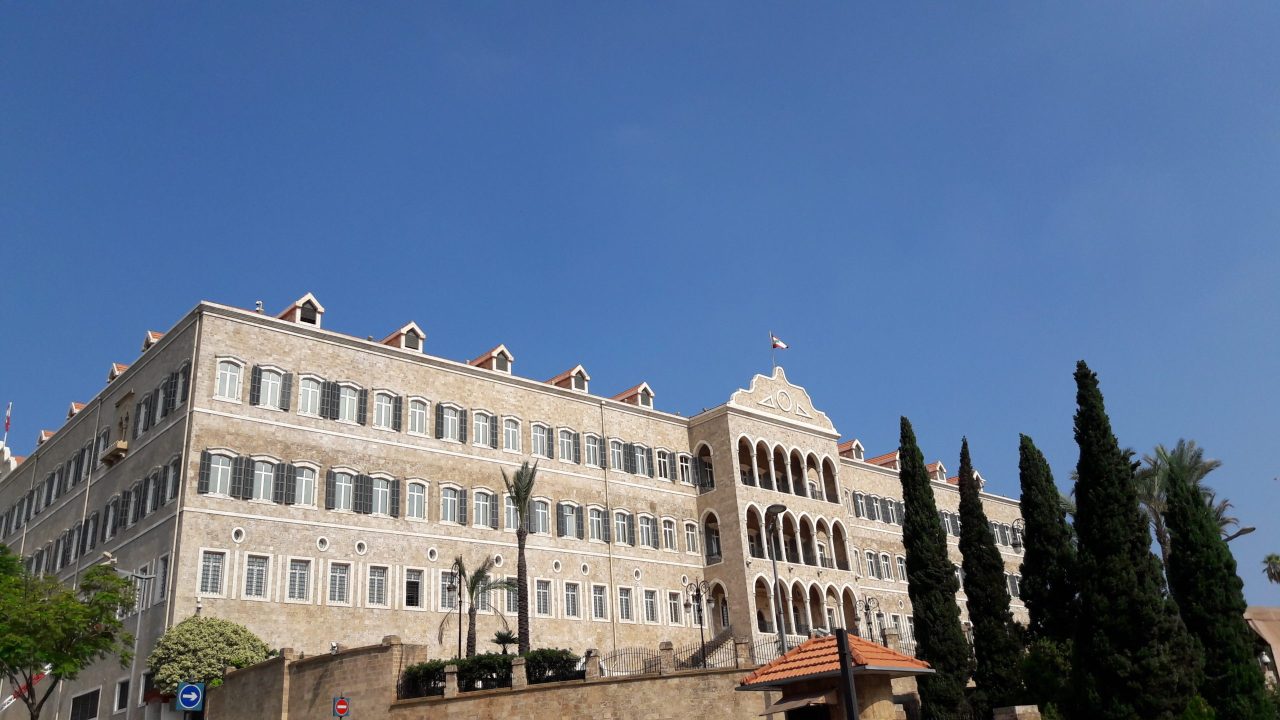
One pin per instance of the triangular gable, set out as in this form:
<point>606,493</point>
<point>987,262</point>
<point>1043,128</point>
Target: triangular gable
<point>776,395</point>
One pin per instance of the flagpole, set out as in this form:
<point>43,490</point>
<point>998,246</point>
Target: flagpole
<point>773,354</point>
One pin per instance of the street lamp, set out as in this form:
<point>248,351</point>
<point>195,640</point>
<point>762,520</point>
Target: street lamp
<point>1019,527</point>
<point>698,592</point>
<point>455,588</point>
<point>771,514</point>
<point>865,607</point>
<point>110,561</point>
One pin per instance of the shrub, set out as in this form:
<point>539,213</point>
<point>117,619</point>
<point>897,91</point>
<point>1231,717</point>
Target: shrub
<point>490,670</point>
<point>423,679</point>
<point>1198,709</point>
<point>199,649</point>
<point>551,665</point>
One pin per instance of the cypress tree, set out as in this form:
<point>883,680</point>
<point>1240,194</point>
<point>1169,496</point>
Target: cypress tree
<point>997,647</point>
<point>1050,557</point>
<point>1210,597</point>
<point>1133,658</point>
<point>932,586</point>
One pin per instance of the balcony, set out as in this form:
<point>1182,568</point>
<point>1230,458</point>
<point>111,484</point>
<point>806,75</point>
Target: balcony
<point>115,452</point>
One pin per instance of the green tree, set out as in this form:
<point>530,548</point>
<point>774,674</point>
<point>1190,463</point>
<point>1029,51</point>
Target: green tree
<point>1049,557</point>
<point>49,625</point>
<point>478,585</point>
<point>932,586</point>
<point>997,647</point>
<point>1271,567</point>
<point>200,649</point>
<point>1152,484</point>
<point>1210,596</point>
<point>505,638</point>
<point>520,488</point>
<point>1132,655</point>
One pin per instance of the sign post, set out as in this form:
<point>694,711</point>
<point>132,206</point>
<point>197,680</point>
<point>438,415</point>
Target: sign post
<point>190,697</point>
<point>341,707</point>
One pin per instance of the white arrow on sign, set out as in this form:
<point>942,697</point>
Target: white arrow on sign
<point>191,696</point>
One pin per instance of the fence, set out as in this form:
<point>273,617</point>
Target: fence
<point>631,661</point>
<point>698,655</point>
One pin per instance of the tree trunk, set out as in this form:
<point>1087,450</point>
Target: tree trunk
<point>522,592</point>
<point>471,629</point>
<point>1162,539</point>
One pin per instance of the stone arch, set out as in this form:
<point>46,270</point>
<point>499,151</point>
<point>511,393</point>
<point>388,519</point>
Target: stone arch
<point>756,540</point>
<point>746,461</point>
<point>765,615</point>
<point>711,537</point>
<point>798,484</point>
<point>813,477</point>
<point>817,610</point>
<point>808,547</point>
<point>830,482</point>
<point>840,545</point>
<point>849,606</point>
<point>764,473</point>
<point>791,538</point>
<point>822,541</point>
<point>780,473</point>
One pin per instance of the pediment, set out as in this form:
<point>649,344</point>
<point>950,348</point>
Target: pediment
<point>775,395</point>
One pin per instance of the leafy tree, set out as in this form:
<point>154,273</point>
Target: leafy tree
<point>1210,596</point>
<point>1152,484</point>
<point>1271,567</point>
<point>48,624</point>
<point>996,645</point>
<point>200,649</point>
<point>1049,556</point>
<point>479,585</point>
<point>932,586</point>
<point>520,488</point>
<point>1133,657</point>
<point>504,638</point>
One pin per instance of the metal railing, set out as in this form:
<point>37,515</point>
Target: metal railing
<point>631,661</point>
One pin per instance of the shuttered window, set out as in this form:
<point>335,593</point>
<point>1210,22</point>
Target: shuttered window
<point>418,417</point>
<point>381,496</point>
<point>541,519</point>
<point>567,453</point>
<point>417,501</point>
<point>348,404</point>
<point>382,407</point>
<point>342,491</point>
<point>541,441</point>
<point>309,396</point>
<point>594,452</point>
<point>299,580</point>
<point>304,484</point>
<point>228,383</point>
<point>449,501</point>
<point>264,474</point>
<point>511,434</point>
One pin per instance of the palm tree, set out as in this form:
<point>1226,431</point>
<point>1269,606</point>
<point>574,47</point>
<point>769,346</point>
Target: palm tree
<point>1151,477</point>
<point>520,488</point>
<point>479,584</point>
<point>1220,508</point>
<point>1271,566</point>
<point>504,638</point>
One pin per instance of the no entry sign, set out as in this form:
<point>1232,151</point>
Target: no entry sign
<point>341,707</point>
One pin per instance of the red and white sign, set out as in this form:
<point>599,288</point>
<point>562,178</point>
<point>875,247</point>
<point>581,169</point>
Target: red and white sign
<point>341,707</point>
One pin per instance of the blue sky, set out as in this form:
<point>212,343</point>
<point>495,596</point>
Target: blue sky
<point>940,207</point>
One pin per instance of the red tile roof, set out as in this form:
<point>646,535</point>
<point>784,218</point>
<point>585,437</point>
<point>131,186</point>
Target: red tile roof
<point>632,391</point>
<point>154,335</point>
<point>885,459</point>
<point>568,373</point>
<point>483,358</point>
<point>818,656</point>
<point>17,459</point>
<point>119,367</point>
<point>77,406</point>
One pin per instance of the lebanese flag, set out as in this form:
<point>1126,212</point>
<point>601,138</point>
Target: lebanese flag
<point>777,342</point>
<point>8,414</point>
<point>26,688</point>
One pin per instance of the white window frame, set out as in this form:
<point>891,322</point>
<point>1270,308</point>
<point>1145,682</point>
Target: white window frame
<point>266,578</point>
<point>328,585</point>
<point>408,500</point>
<point>477,416</point>
<point>491,503</point>
<point>315,480</point>
<point>451,420</point>
<point>355,403</point>
<point>269,484</point>
<point>564,443</point>
<point>629,616</point>
<point>302,395</point>
<point>650,523</point>
<point>576,610</point>
<point>593,445</point>
<point>596,517</point>
<point>540,430</point>
<point>641,461</point>
<point>620,518</point>
<point>384,403</point>
<point>675,608</point>
<point>351,489</point>
<point>385,510</point>
<point>218,392</point>
<point>535,520</point>
<point>386,586</point>
<point>447,492</point>
<point>423,579</point>
<point>684,464</point>
<point>288,580</point>
<point>223,570</point>
<point>415,404</point>
<point>511,434</point>
<point>264,395</point>
<point>691,530</point>
<point>616,459</point>
<point>600,610</point>
<point>662,458</point>
<point>538,584</point>
<point>671,543</point>
<point>646,596</point>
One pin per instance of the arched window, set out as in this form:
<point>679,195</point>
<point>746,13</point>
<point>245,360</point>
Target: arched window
<point>305,486</point>
<point>264,475</point>
<point>511,434</point>
<point>416,506</point>
<point>309,396</point>
<point>624,528</point>
<point>342,483</point>
<point>229,376</point>
<point>873,567</point>
<point>486,511</point>
<point>381,496</point>
<point>886,570</point>
<point>383,411</point>
<point>219,475</point>
<point>450,499</point>
<point>541,519</point>
<point>418,417</point>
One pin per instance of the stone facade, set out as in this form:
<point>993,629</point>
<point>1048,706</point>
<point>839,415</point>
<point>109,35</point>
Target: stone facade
<point>201,438</point>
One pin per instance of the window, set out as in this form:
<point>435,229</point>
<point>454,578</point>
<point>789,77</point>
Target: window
<point>163,584</point>
<point>122,695</point>
<point>873,509</point>
<point>649,532</point>
<point>450,418</point>
<point>304,486</point>
<point>664,465</point>
<point>624,603</point>
<point>449,501</point>
<point>348,404</point>
<point>690,537</point>
<point>264,475</point>
<point>269,387</point>
<point>621,522</point>
<point>873,569</point>
<point>255,576</point>
<point>512,513</point>
<point>902,568</point>
<point>299,580</point>
<point>85,707</point>
<point>542,597</point>
<point>220,475</point>
<point>413,588</point>
<point>566,446</point>
<point>228,380</point>
<point>483,426</point>
<point>541,441</point>
<point>339,583</point>
<point>417,417</point>
<point>651,606</point>
<point>599,602</point>
<point>309,397</point>
<point>669,535</point>
<point>541,518</point>
<point>381,496</point>
<point>417,505</point>
<point>594,454</point>
<point>615,454</point>
<point>211,563</point>
<point>686,469</point>
<point>596,522</point>
<point>377,586</point>
<point>511,434</point>
<point>571,608</point>
<point>641,462</point>
<point>886,572</point>
<point>342,491</point>
<point>485,510</point>
<point>382,410</point>
<point>513,596</point>
<point>448,590</point>
<point>859,505</point>
<point>891,512</point>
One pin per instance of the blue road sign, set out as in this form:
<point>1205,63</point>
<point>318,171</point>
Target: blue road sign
<point>190,696</point>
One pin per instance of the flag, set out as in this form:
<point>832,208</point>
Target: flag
<point>7,414</point>
<point>777,342</point>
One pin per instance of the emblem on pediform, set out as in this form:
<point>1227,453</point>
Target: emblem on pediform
<point>777,395</point>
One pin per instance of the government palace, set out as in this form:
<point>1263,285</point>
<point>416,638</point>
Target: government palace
<point>316,487</point>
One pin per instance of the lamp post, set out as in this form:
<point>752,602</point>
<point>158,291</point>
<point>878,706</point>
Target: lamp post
<point>865,607</point>
<point>456,588</point>
<point>771,514</point>
<point>1019,527</point>
<point>110,560</point>
<point>698,591</point>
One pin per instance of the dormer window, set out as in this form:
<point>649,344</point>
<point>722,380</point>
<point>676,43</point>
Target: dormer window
<point>580,381</point>
<point>409,337</point>
<point>306,310</point>
<point>412,341</point>
<point>575,378</point>
<point>498,359</point>
<point>502,364</point>
<point>308,314</point>
<point>646,399</point>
